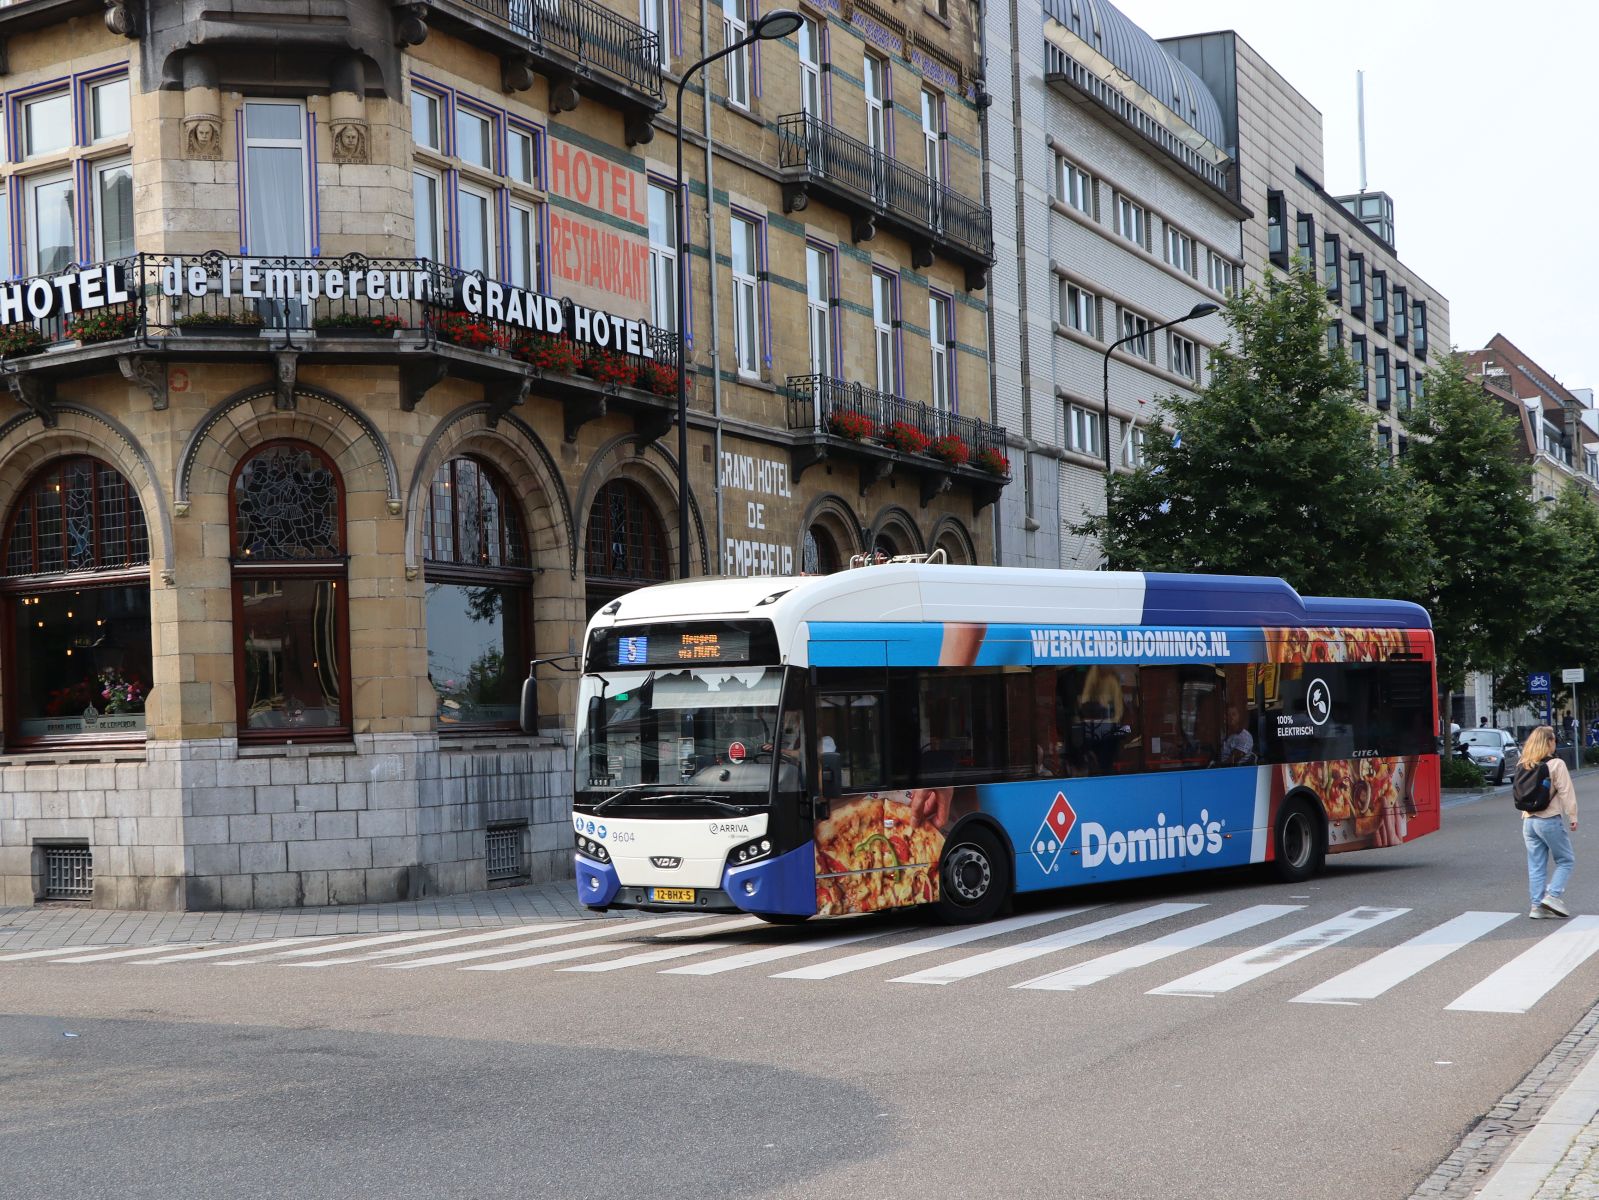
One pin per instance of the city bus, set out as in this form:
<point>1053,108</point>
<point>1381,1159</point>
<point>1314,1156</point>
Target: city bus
<point>917,733</point>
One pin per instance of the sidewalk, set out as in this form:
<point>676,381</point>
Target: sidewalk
<point>48,926</point>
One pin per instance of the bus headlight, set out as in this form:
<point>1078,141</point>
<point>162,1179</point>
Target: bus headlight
<point>593,849</point>
<point>749,852</point>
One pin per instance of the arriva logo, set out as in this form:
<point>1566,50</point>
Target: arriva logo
<point>1151,845</point>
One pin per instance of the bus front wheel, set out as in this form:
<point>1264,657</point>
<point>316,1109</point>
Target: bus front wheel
<point>1301,842</point>
<point>974,878</point>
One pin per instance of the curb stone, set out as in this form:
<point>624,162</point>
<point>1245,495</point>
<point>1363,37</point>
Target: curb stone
<point>1491,1137</point>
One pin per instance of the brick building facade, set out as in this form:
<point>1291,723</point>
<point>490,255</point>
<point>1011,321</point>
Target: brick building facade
<point>340,377</point>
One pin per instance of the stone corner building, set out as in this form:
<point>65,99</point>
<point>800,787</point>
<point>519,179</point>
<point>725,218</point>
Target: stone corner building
<point>340,348</point>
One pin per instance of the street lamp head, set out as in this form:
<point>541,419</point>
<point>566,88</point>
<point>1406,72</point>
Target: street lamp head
<point>777,24</point>
<point>1202,310</point>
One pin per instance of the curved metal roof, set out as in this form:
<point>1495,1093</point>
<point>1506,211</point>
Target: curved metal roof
<point>1113,34</point>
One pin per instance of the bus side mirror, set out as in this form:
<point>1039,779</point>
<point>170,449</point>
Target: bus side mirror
<point>528,716</point>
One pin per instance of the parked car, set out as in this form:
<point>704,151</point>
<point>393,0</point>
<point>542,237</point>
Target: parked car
<point>1496,751</point>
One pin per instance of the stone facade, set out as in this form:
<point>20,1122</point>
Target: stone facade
<point>221,803</point>
<point>1068,153</point>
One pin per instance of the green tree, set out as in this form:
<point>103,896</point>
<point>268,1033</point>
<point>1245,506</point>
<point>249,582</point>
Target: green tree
<point>1272,468</point>
<point>1559,579</point>
<point>1473,493</point>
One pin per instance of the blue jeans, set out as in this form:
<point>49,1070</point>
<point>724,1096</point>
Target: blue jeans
<point>1546,837</point>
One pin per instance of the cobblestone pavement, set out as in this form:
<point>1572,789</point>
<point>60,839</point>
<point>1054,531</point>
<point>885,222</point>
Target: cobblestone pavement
<point>47,926</point>
<point>1489,1143</point>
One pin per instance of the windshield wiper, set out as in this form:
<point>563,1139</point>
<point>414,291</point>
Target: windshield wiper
<point>633,788</point>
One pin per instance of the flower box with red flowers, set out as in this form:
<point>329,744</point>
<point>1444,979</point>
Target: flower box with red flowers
<point>555,355</point>
<point>950,449</point>
<point>20,339</point>
<point>657,378</point>
<point>992,461</point>
<point>906,438</point>
<point>470,333</point>
<point>105,325</point>
<point>611,369</point>
<point>358,325</point>
<point>851,426</point>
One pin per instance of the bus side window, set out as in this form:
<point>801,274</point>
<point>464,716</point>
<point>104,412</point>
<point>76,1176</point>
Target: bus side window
<point>849,741</point>
<point>1240,746</point>
<point>1097,711</point>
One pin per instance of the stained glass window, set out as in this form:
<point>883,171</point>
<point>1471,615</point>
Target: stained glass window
<point>81,666</point>
<point>819,555</point>
<point>286,506</point>
<point>77,515</point>
<point>625,538</point>
<point>472,518</point>
<point>291,630</point>
<point>479,596</point>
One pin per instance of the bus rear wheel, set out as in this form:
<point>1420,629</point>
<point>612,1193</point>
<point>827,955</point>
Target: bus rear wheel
<point>974,878</point>
<point>1301,842</point>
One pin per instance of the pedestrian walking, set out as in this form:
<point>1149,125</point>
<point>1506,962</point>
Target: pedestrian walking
<point>1548,806</point>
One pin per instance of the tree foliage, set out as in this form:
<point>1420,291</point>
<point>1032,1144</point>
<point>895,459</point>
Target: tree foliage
<point>1563,573</point>
<point>1271,469</point>
<point>1472,491</point>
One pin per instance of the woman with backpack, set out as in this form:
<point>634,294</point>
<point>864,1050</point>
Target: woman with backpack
<point>1548,806</point>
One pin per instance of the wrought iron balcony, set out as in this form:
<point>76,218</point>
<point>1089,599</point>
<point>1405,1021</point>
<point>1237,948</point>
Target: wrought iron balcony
<point>404,312</point>
<point>816,157</point>
<point>579,45</point>
<point>885,431</point>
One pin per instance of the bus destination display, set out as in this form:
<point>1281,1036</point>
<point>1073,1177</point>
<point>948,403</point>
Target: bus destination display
<point>664,648</point>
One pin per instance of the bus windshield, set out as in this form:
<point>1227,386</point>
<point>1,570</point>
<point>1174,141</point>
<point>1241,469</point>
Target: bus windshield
<point>701,729</point>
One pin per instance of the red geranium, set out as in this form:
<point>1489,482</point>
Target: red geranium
<point>906,438</point>
<point>850,425</point>
<point>992,461</point>
<point>951,449</point>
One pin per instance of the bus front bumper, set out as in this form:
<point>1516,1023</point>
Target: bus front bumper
<point>785,885</point>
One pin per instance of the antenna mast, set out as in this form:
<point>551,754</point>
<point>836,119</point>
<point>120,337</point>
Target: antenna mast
<point>1360,117</point>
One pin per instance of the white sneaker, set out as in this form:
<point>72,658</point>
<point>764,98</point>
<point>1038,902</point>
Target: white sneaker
<point>1539,913</point>
<point>1555,905</point>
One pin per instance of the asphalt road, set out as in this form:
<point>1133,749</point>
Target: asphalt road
<point>126,1080</point>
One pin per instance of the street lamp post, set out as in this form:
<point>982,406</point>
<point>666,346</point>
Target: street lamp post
<point>1199,310</point>
<point>776,24</point>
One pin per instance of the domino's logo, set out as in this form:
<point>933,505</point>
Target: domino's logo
<point>1050,840</point>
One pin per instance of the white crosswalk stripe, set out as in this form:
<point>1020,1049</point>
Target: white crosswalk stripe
<point>1009,956</point>
<point>596,929</point>
<point>237,948</point>
<point>754,958</point>
<point>1252,964</point>
<point>382,939</point>
<point>1115,963</point>
<point>645,957</point>
<point>56,951</point>
<point>135,952</point>
<point>866,959</point>
<point>1392,967</point>
<point>1527,978</point>
<point>471,939</point>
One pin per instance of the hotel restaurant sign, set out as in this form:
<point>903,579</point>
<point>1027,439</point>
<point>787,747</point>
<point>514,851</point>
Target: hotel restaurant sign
<point>85,289</point>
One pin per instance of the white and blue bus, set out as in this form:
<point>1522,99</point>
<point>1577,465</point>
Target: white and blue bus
<point>918,733</point>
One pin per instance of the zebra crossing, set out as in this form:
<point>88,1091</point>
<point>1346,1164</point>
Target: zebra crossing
<point>1226,952</point>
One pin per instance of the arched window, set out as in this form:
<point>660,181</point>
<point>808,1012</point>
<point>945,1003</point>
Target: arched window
<point>819,555</point>
<point>290,605</point>
<point>626,546</point>
<point>885,545</point>
<point>479,595</point>
<point>77,591</point>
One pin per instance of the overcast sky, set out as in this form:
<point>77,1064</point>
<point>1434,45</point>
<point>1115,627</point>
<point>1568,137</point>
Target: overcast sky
<point>1479,123</point>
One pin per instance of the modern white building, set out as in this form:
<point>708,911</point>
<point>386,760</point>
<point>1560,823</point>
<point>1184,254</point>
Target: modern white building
<point>1115,210</point>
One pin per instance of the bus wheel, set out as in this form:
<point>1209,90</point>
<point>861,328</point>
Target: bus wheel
<point>1301,842</point>
<point>974,878</point>
<point>783,918</point>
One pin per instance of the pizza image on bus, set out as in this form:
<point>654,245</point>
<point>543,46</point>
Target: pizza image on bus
<point>872,853</point>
